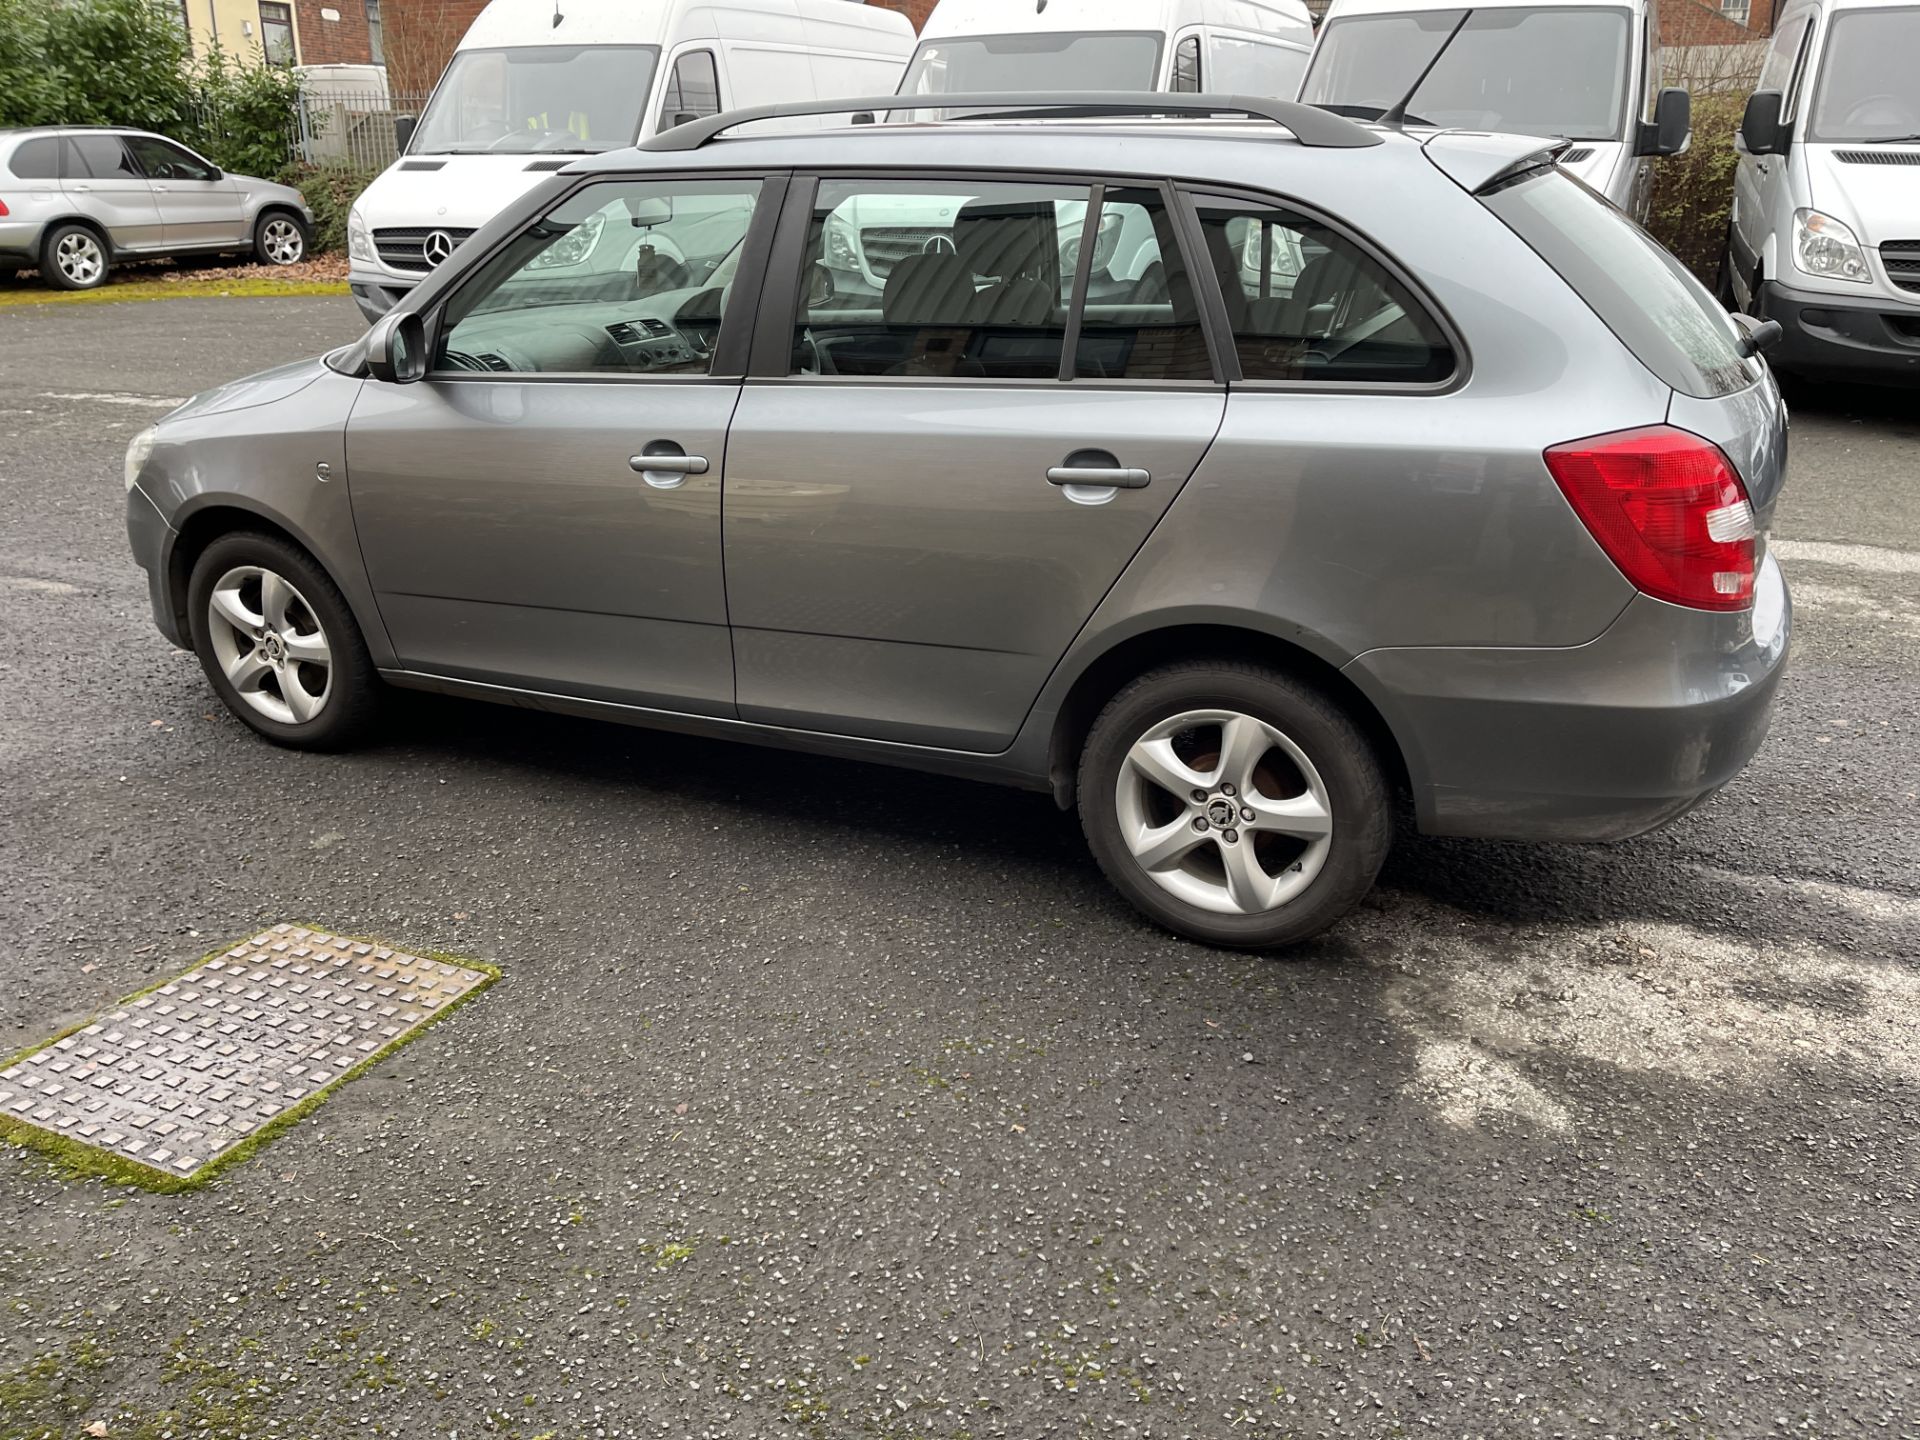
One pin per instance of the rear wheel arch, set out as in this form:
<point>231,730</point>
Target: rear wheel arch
<point>1115,668</point>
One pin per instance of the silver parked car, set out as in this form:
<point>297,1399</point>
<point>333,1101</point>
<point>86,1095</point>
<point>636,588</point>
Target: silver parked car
<point>1221,477</point>
<point>73,201</point>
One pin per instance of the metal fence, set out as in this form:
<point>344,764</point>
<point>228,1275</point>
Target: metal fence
<point>354,131</point>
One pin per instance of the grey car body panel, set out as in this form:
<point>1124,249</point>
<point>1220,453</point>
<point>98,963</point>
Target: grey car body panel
<point>920,581</point>
<point>624,597</point>
<point>1411,538</point>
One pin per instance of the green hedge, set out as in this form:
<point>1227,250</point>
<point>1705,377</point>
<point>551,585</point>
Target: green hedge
<point>330,191</point>
<point>1692,193</point>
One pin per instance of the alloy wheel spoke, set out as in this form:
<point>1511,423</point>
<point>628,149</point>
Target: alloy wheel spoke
<point>227,604</point>
<point>309,648</point>
<point>1243,743</point>
<point>1165,845</point>
<point>302,704</point>
<point>247,672</point>
<point>1251,888</point>
<point>275,594</point>
<point>1156,761</point>
<point>1302,816</point>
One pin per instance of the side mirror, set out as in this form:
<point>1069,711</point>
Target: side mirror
<point>403,128</point>
<point>1757,336</point>
<point>1760,128</point>
<point>1671,127</point>
<point>397,348</point>
<point>655,210</point>
<point>820,286</point>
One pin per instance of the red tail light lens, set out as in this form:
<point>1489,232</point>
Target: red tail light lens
<point>1668,509</point>
<point>3,209</point>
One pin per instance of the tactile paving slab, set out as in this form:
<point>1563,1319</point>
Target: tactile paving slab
<point>177,1077</point>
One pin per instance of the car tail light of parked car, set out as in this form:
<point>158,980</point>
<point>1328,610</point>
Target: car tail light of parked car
<point>1668,509</point>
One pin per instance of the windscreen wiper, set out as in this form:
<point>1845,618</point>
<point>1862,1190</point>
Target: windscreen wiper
<point>1396,118</point>
<point>1887,140</point>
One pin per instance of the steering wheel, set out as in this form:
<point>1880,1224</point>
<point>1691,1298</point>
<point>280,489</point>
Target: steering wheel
<point>808,357</point>
<point>1896,112</point>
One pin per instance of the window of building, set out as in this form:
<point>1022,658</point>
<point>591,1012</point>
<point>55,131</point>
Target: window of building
<point>376,42</point>
<point>276,33</point>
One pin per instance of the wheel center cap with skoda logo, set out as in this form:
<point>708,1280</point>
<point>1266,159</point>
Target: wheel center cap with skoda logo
<point>1220,813</point>
<point>437,247</point>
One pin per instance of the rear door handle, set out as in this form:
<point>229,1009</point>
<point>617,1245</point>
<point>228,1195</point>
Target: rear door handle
<point>665,466</point>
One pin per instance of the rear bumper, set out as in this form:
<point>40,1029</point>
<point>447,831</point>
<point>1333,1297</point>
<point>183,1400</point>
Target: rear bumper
<point>20,243</point>
<point>1598,742</point>
<point>149,537</point>
<point>1843,337</point>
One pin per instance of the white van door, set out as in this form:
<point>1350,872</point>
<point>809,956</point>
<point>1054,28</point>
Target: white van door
<point>1760,191</point>
<point>1240,63</point>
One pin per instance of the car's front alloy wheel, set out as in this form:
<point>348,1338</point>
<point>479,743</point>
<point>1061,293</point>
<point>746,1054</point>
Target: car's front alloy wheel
<point>1234,803</point>
<point>270,645</point>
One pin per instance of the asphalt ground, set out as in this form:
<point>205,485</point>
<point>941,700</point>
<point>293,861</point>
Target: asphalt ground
<point>825,1100</point>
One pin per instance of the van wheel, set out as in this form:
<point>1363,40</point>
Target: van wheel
<point>279,239</point>
<point>1234,804</point>
<point>279,643</point>
<point>1723,285</point>
<point>74,258</point>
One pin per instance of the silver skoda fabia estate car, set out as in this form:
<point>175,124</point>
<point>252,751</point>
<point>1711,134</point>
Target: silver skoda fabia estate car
<point>1225,476</point>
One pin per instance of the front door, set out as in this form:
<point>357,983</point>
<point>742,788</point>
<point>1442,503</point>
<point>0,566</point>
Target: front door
<point>198,205</point>
<point>543,510</point>
<point>104,181</point>
<point>925,500</point>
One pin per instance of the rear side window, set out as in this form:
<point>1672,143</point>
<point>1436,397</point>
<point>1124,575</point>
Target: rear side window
<point>104,157</point>
<point>37,159</point>
<point>1646,297</point>
<point>1305,303</point>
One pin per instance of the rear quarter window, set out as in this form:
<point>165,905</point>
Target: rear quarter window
<point>37,159</point>
<point>1646,297</point>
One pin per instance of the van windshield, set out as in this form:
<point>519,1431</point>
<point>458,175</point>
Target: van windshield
<point>1039,63</point>
<point>1870,78</point>
<point>1553,71</point>
<point>553,99</point>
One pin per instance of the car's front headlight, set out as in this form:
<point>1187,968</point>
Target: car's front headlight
<point>359,242</point>
<point>138,449</point>
<point>843,247</point>
<point>1823,246</point>
<point>571,248</point>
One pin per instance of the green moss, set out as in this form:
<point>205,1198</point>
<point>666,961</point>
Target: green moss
<point>169,290</point>
<point>72,1159</point>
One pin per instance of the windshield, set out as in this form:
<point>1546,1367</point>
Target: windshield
<point>555,99</point>
<point>1556,71</point>
<point>1870,78</point>
<point>1038,63</point>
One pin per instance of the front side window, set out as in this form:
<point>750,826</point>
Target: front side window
<point>1043,63</point>
<point>1869,88</point>
<point>554,99</point>
<point>621,278</point>
<point>1186,67</point>
<point>693,90</point>
<point>1560,71</point>
<point>163,160</point>
<point>1253,67</point>
<point>1645,296</point>
<point>276,34</point>
<point>1305,303</point>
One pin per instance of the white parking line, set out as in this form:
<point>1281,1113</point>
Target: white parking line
<point>1854,557</point>
<point>29,582</point>
<point>112,397</point>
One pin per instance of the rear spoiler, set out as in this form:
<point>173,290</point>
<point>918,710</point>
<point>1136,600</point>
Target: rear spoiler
<point>1478,162</point>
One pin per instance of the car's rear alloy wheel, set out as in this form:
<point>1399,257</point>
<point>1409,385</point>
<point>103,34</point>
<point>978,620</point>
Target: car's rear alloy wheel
<point>75,259</point>
<point>1234,804</point>
<point>279,643</point>
<point>281,241</point>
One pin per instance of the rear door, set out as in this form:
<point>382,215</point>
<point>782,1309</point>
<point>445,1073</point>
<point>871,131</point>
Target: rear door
<point>198,204</point>
<point>106,184</point>
<point>926,497</point>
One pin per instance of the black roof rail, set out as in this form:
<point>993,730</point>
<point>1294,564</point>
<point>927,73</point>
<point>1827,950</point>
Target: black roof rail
<point>1310,125</point>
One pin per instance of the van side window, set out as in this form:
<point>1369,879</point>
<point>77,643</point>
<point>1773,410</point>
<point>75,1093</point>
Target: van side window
<point>620,278</point>
<point>1307,304</point>
<point>938,279</point>
<point>693,90</point>
<point>1777,71</point>
<point>1239,65</point>
<point>1186,67</point>
<point>1140,320</point>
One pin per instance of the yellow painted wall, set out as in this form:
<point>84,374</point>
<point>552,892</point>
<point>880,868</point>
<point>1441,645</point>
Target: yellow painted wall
<point>223,20</point>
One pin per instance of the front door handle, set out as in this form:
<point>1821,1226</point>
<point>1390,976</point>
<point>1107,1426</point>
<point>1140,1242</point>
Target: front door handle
<point>665,466</point>
<point>1095,469</point>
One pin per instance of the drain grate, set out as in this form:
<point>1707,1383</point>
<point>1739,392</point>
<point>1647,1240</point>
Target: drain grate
<point>180,1076</point>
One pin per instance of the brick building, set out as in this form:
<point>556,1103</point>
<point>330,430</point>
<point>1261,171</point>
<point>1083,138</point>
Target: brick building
<point>1732,22</point>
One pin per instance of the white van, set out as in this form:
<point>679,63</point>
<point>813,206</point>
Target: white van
<point>1584,72</point>
<point>1825,231</point>
<point>1226,47</point>
<point>534,83</point>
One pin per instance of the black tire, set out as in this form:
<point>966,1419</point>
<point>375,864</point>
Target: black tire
<point>352,692</point>
<point>1359,798</point>
<point>261,253</point>
<point>61,254</point>
<point>1723,285</point>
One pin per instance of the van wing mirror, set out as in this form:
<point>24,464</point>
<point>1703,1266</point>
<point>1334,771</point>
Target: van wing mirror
<point>397,348</point>
<point>403,128</point>
<point>1671,127</point>
<point>1760,129</point>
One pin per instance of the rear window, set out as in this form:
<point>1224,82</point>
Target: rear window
<point>37,159</point>
<point>1645,296</point>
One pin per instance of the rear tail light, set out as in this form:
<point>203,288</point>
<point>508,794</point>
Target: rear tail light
<point>1668,509</point>
<point>3,209</point>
